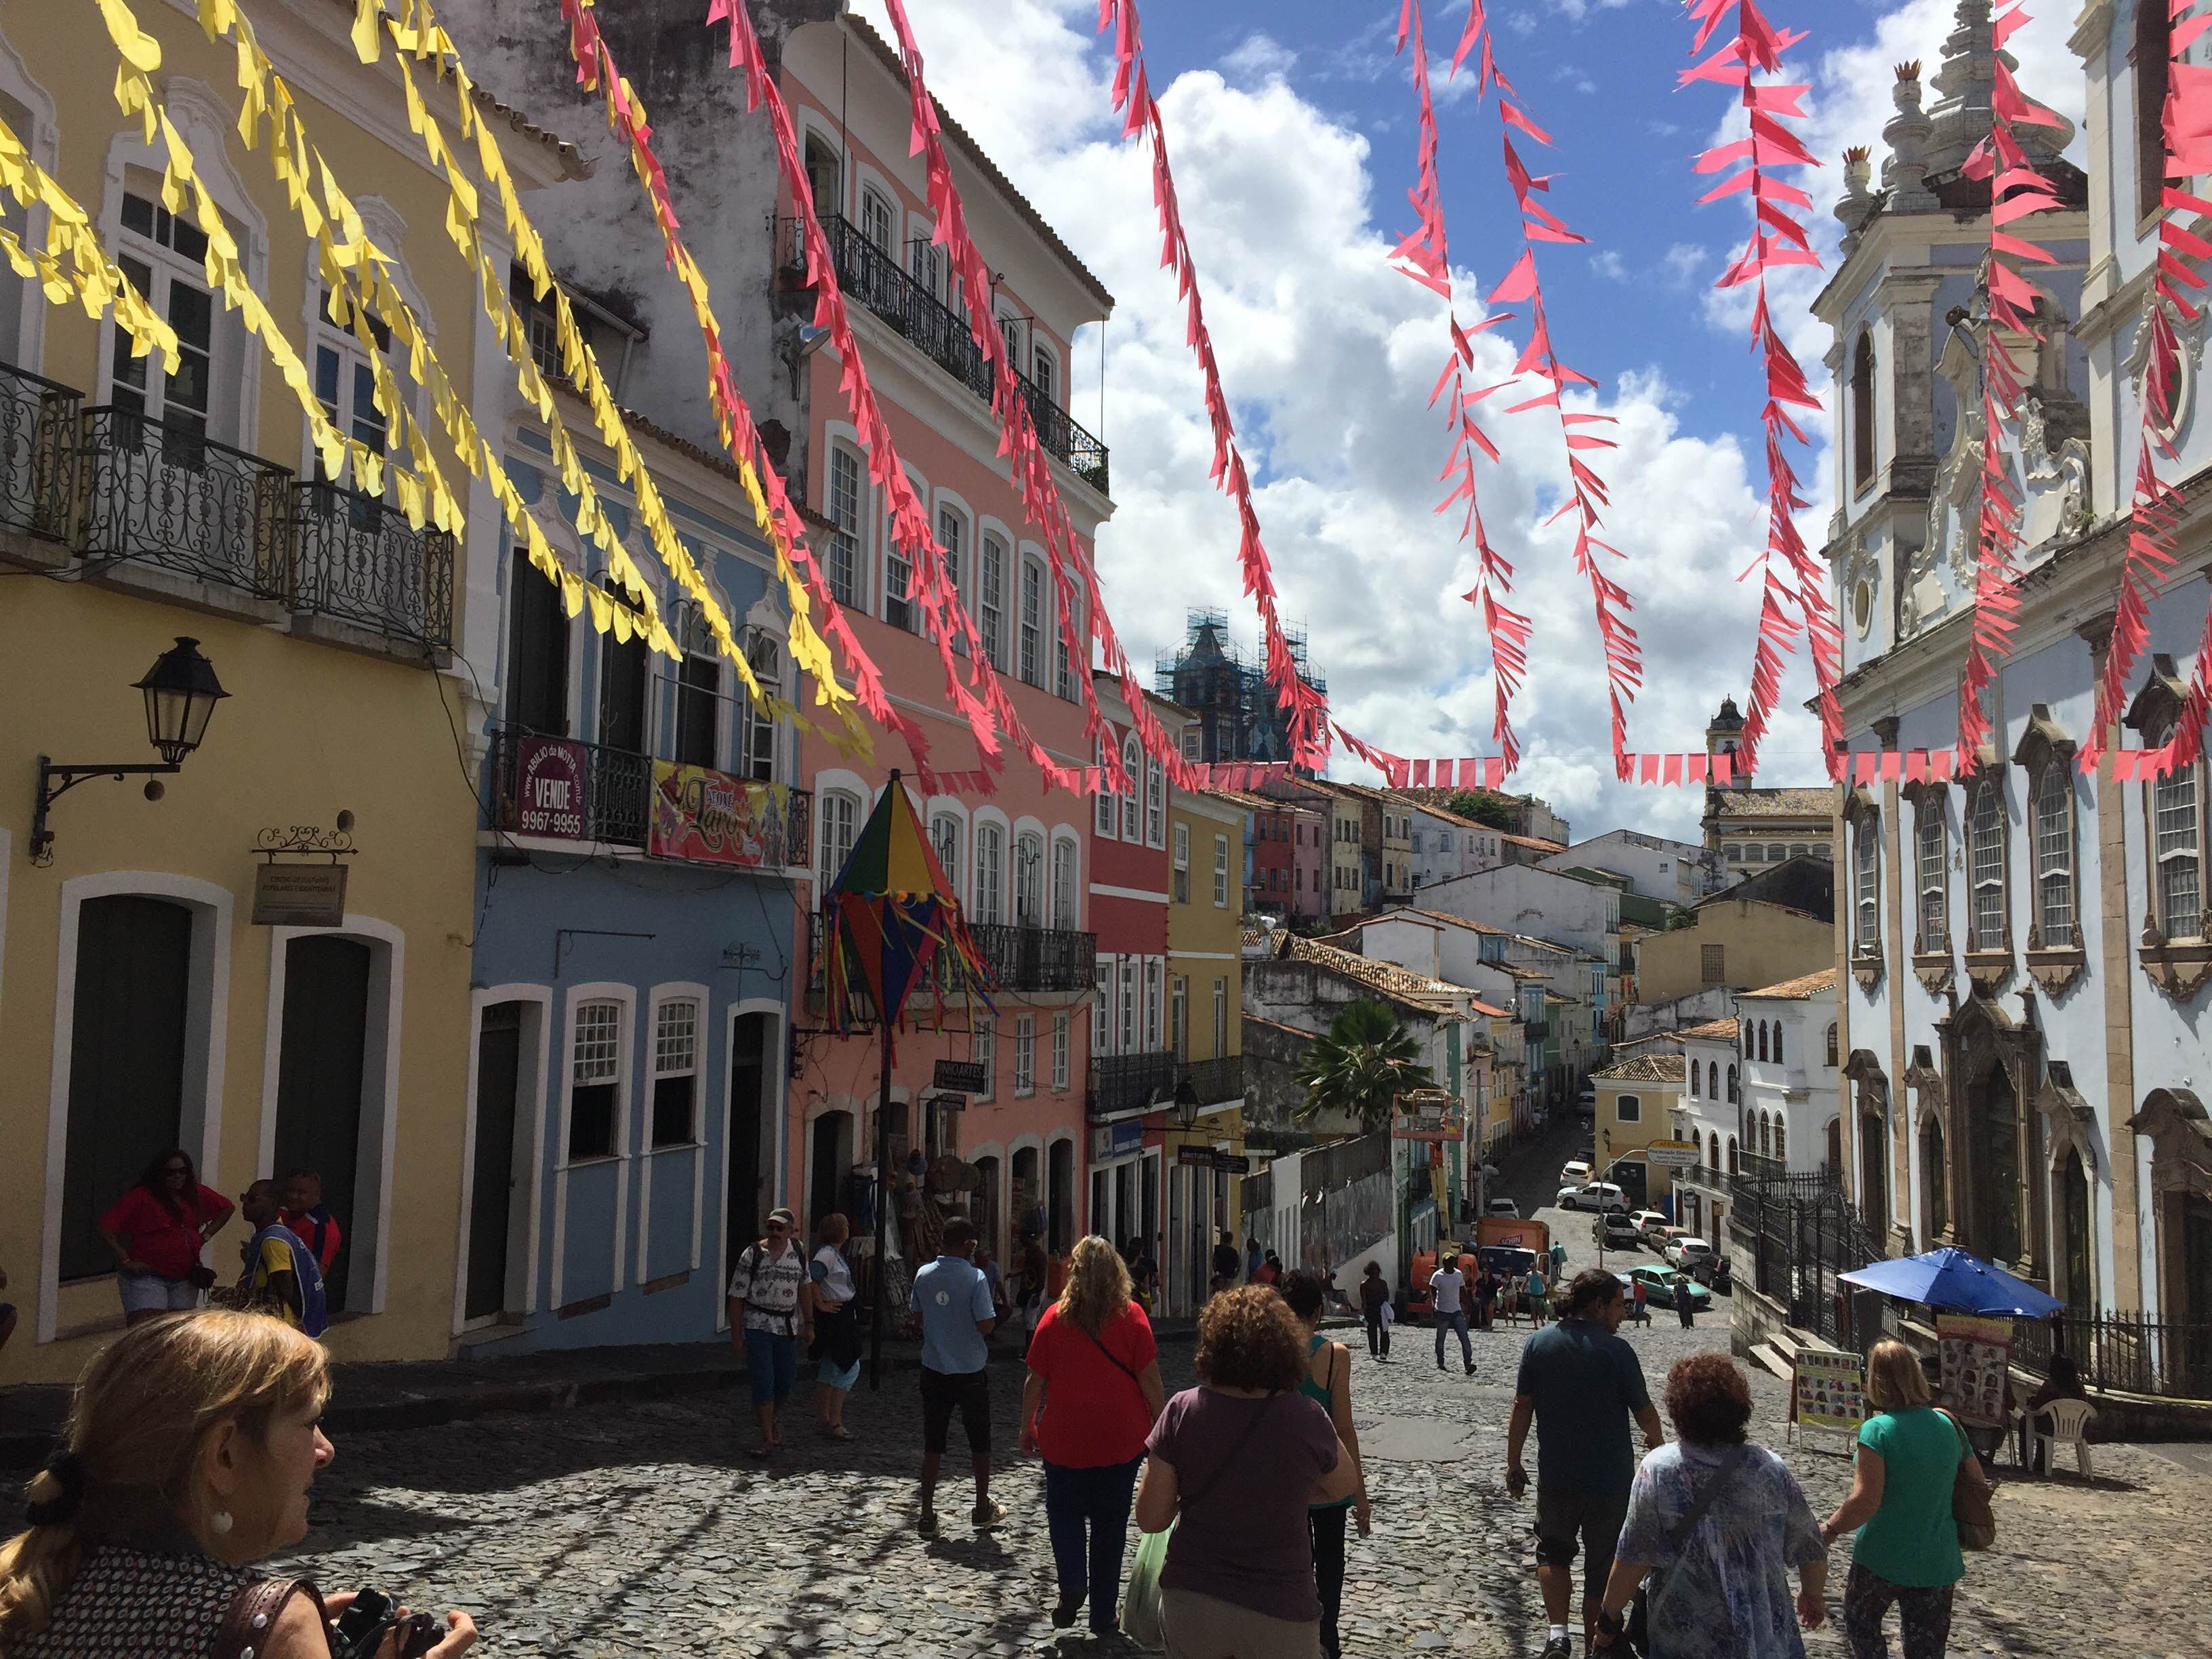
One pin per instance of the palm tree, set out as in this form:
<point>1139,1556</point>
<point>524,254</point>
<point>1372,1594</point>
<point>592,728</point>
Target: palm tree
<point>1361,1067</point>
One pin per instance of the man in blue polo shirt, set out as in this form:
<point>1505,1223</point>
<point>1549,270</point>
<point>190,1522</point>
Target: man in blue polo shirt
<point>954,1300</point>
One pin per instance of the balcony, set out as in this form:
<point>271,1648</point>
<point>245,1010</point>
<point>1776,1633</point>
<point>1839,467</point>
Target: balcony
<point>38,453</point>
<point>359,561</point>
<point>1535,1031</point>
<point>873,277</point>
<point>1037,958</point>
<point>165,496</point>
<point>1126,1083</point>
<point>608,800</point>
<point>1216,1080</point>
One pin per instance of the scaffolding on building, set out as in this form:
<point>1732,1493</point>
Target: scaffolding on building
<point>1210,674</point>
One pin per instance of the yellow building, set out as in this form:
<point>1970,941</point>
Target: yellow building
<point>149,997</point>
<point>1205,1125</point>
<point>1636,1102</point>
<point>1732,944</point>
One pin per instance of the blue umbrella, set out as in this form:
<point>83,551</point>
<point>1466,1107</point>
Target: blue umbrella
<point>1950,1279</point>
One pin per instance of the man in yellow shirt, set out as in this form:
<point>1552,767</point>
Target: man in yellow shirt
<point>281,1272</point>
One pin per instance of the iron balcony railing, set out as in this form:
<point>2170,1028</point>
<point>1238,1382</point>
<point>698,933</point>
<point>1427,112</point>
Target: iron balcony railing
<point>818,974</point>
<point>2123,1350</point>
<point>1213,1081</point>
<point>38,453</point>
<point>1126,1083</point>
<point>166,496</point>
<point>361,562</point>
<point>873,276</point>
<point>1535,1031</point>
<point>1037,958</point>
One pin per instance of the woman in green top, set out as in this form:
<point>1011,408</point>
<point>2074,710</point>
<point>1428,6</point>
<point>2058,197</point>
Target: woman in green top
<point>1908,1551</point>
<point>1328,1380</point>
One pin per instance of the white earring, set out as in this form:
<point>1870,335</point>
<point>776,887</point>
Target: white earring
<point>220,1522</point>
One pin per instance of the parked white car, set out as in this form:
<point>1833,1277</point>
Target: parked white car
<point>1575,1174</point>
<point>1600,1195</point>
<point>1648,1221</point>
<point>1687,1252</point>
<point>1504,1206</point>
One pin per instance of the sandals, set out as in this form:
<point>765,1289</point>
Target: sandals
<point>840,1432</point>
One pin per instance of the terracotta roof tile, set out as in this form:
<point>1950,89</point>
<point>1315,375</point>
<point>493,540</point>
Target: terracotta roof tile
<point>1715,1030</point>
<point>1644,1068</point>
<point>1773,802</point>
<point>1801,989</point>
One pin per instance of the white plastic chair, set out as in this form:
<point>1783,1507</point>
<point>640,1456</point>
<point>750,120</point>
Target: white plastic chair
<point>2070,1425</point>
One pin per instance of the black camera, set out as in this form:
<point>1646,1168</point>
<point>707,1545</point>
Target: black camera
<point>363,1628</point>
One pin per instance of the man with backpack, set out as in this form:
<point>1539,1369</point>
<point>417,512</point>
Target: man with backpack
<point>768,1321</point>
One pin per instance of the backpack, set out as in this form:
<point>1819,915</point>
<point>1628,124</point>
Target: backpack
<point>756,1257</point>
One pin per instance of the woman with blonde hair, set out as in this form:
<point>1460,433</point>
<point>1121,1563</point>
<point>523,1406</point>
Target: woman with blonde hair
<point>191,1447</point>
<point>1909,1453</point>
<point>1093,1391</point>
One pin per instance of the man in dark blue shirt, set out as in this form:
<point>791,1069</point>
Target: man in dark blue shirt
<point>1580,1383</point>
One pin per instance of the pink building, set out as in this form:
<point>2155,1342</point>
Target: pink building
<point>1017,856</point>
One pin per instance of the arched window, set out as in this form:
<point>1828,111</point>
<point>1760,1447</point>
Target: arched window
<point>2153,64</point>
<point>1694,1081</point>
<point>1832,1042</point>
<point>1777,1042</point>
<point>1985,858</point>
<point>1781,1144</point>
<point>840,812</point>
<point>1066,896</point>
<point>163,255</point>
<point>1103,813</point>
<point>1155,803</point>
<point>1863,412</point>
<point>1030,657</point>
<point>823,180</point>
<point>756,757</point>
<point>1028,879</point>
<point>1934,1185</point>
<point>842,504</point>
<point>2054,855</point>
<point>990,872</point>
<point>1712,1080</point>
<point>1132,762</point>
<point>952,543</point>
<point>1731,1083</point>
<point>1932,862</point>
<point>1866,867</point>
<point>1765,1138</point>
<point>1735,1158</point>
<point>2177,813</point>
<point>944,842</point>
<point>1748,1048</point>
<point>991,600</point>
<point>1713,1152</point>
<point>1762,1039</point>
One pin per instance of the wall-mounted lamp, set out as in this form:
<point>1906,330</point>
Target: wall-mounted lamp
<point>181,692</point>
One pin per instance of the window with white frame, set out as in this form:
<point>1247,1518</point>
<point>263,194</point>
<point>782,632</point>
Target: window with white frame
<point>1153,971</point>
<point>1060,1040</point>
<point>1125,1004</point>
<point>1103,812</point>
<point>842,555</point>
<point>2177,815</point>
<point>840,812</point>
<point>345,380</point>
<point>1066,896</point>
<point>1010,332</point>
<point>1133,765</point>
<point>1179,1015</point>
<point>991,599</point>
<point>1931,859</point>
<point>163,256</point>
<point>1985,856</point>
<point>982,1048</point>
<point>1063,663</point>
<point>1220,873</point>
<point>757,758</point>
<point>926,260</point>
<point>990,871</point>
<point>698,692</point>
<point>1192,740</point>
<point>1866,884</point>
<point>676,1074</point>
<point>944,842</point>
<point>953,543</point>
<point>1029,880</point>
<point>1032,661</point>
<point>1155,803</point>
<point>2054,855</point>
<point>1102,1006</point>
<point>594,1080</point>
<point>1220,1016</point>
<point>1025,1055</point>
<point>1628,1108</point>
<point>1180,892</point>
<point>876,220</point>
<point>899,581</point>
<point>1044,369</point>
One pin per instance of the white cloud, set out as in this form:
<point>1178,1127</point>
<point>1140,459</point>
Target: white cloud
<point>1683,261</point>
<point>1607,264</point>
<point>1523,22</point>
<point>1260,57</point>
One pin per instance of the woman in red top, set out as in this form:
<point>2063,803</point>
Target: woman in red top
<point>156,1230</point>
<point>1093,1392</point>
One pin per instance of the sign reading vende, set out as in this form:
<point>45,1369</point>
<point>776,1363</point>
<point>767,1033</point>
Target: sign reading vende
<point>711,817</point>
<point>548,789</point>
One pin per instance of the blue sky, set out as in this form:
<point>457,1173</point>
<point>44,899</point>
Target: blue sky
<point>1292,129</point>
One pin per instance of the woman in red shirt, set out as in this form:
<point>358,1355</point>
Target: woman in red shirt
<point>156,1230</point>
<point>1093,1392</point>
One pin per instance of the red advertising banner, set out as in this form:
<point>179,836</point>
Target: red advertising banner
<point>550,789</point>
<point>711,817</point>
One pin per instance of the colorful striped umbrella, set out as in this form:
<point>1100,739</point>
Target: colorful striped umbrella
<point>897,922</point>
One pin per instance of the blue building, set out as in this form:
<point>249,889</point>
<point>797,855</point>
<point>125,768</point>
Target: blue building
<point>633,945</point>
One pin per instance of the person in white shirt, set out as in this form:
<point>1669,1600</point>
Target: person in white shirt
<point>1448,1285</point>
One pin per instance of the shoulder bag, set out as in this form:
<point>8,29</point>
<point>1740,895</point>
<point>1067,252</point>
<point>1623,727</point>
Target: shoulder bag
<point>1141,1595</point>
<point>1970,1511</point>
<point>1637,1635</point>
<point>253,1612</point>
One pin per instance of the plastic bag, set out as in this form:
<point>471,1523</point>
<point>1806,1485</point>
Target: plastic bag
<point>1389,1315</point>
<point>1140,1596</point>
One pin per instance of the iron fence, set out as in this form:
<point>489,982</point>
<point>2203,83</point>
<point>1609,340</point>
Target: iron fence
<point>2125,1352</point>
<point>361,562</point>
<point>37,452</point>
<point>1217,1079</point>
<point>167,496</point>
<point>1121,1083</point>
<point>1037,958</point>
<point>1805,1235</point>
<point>617,804</point>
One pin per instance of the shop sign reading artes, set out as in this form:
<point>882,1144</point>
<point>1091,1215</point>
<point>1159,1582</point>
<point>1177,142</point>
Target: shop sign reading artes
<point>711,817</point>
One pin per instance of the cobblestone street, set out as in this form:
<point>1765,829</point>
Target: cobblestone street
<point>644,1528</point>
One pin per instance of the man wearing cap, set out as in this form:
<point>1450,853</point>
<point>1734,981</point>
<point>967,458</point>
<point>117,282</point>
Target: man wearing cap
<point>954,1301</point>
<point>767,1322</point>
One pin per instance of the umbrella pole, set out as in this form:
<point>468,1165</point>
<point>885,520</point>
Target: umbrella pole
<point>883,1211</point>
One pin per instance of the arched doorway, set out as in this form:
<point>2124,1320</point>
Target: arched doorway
<point>1935,1180</point>
<point>2075,1244</point>
<point>1873,1170</point>
<point>831,1159</point>
<point>1993,1166</point>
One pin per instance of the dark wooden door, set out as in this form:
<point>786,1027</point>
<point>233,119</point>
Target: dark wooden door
<point>621,693</point>
<point>126,1062</point>
<point>318,1080</point>
<point>749,1109</point>
<point>537,653</point>
<point>491,1182</point>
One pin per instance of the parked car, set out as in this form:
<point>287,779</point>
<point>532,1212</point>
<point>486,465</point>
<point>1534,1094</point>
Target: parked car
<point>1688,1252</point>
<point>1575,1174</point>
<point>1595,1195</point>
<point>1659,1287</point>
<point>1648,1222</point>
<point>1504,1206</point>
<point>1616,1232</point>
<point>1586,1102</point>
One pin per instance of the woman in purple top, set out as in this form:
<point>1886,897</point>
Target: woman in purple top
<point>1234,1463</point>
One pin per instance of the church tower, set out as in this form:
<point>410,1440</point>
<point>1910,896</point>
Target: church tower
<point>1725,737</point>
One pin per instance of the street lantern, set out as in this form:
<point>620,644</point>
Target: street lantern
<point>181,691</point>
<point>1186,1101</point>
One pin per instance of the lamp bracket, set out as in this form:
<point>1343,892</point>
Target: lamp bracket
<point>305,840</point>
<point>57,779</point>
